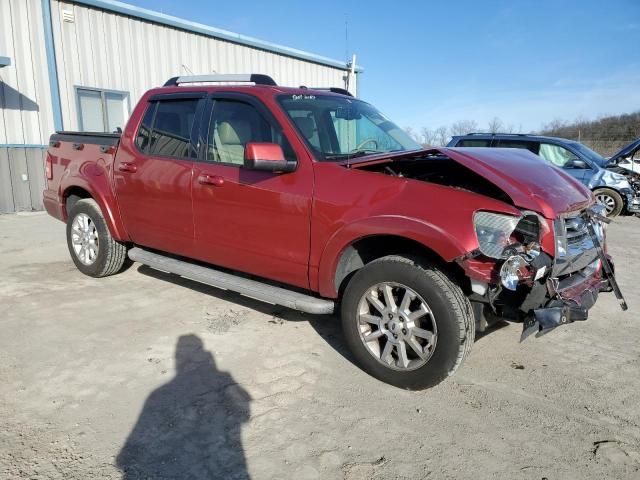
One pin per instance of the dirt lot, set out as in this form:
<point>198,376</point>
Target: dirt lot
<point>144,376</point>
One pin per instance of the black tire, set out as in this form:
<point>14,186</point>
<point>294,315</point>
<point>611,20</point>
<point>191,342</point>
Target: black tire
<point>111,256</point>
<point>451,310</point>
<point>615,198</point>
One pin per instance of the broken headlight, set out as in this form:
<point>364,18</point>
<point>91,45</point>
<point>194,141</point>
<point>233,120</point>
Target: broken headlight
<point>494,231</point>
<point>599,226</point>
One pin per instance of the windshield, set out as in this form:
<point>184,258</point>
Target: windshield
<point>590,154</point>
<point>337,128</point>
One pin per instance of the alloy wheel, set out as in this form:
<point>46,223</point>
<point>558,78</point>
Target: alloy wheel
<point>397,326</point>
<point>607,201</point>
<point>84,239</point>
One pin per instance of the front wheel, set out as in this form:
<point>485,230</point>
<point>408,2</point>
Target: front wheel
<point>406,323</point>
<point>611,200</point>
<point>94,251</point>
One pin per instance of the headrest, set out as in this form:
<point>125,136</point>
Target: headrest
<point>234,132</point>
<point>306,125</point>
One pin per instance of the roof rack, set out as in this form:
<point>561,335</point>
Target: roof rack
<point>341,91</point>
<point>256,78</point>
<point>495,133</point>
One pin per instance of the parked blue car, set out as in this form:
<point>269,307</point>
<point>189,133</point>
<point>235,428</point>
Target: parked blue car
<point>610,188</point>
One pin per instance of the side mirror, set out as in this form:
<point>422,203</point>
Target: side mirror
<point>267,157</point>
<point>578,164</point>
<point>611,164</point>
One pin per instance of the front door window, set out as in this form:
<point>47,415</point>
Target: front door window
<point>557,155</point>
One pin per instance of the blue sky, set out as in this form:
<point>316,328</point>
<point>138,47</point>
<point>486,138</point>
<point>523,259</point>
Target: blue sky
<point>432,63</point>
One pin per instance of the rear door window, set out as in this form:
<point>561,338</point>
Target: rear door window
<point>143,138</point>
<point>474,143</point>
<point>166,128</point>
<point>533,147</point>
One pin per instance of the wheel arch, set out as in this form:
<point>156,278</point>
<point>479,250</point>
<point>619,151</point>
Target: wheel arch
<point>78,188</point>
<point>348,251</point>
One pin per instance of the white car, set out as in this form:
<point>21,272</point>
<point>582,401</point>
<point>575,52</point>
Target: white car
<point>628,157</point>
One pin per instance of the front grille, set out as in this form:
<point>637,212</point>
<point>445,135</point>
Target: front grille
<point>576,229</point>
<point>575,249</point>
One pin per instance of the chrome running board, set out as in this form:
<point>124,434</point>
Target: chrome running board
<point>226,281</point>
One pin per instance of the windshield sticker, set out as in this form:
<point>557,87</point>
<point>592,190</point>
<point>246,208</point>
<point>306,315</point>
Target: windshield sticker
<point>303,97</point>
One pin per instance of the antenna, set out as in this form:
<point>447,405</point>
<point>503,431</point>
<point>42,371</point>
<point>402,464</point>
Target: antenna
<point>346,36</point>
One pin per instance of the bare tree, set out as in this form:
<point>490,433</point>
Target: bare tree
<point>463,127</point>
<point>554,126</point>
<point>442,136</point>
<point>495,125</point>
<point>413,134</point>
<point>429,137</point>
<point>604,134</point>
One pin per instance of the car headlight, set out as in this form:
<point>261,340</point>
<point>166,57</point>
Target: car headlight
<point>561,238</point>
<point>599,227</point>
<point>493,231</point>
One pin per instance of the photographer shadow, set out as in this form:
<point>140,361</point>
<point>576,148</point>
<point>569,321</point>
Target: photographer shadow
<point>191,426</point>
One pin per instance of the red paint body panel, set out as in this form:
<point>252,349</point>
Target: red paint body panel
<point>255,222</point>
<point>89,169</point>
<point>294,227</point>
<point>439,217</point>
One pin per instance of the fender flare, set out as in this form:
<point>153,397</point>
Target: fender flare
<point>445,245</point>
<point>100,190</point>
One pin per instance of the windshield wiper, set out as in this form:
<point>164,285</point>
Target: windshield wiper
<point>355,154</point>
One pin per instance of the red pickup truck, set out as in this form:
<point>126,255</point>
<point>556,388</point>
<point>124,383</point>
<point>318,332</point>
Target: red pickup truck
<point>311,198</point>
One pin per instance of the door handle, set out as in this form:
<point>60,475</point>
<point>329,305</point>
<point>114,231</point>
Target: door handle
<point>127,167</point>
<point>215,180</point>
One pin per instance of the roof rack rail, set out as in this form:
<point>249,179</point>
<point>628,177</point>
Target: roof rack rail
<point>341,91</point>
<point>496,133</point>
<point>257,78</point>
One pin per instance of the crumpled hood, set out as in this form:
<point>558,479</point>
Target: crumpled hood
<point>530,182</point>
<point>626,150</point>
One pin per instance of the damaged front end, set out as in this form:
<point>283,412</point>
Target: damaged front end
<point>513,277</point>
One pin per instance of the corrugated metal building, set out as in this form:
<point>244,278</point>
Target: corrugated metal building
<point>83,64</point>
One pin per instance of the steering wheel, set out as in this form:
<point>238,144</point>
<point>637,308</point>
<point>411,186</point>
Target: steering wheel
<point>364,142</point>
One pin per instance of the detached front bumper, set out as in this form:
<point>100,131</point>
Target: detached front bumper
<point>541,291</point>
<point>569,300</point>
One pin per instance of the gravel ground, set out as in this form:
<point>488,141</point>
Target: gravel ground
<point>142,375</point>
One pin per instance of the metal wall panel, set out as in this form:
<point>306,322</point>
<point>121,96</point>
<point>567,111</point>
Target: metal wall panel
<point>6,189</point>
<point>102,49</point>
<point>25,99</point>
<point>22,179</point>
<point>19,174</point>
<point>35,170</point>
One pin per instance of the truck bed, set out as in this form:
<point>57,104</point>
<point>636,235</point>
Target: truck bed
<point>79,162</point>
<point>96,138</point>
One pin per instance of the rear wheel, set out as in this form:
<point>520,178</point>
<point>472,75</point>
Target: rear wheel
<point>94,251</point>
<point>406,323</point>
<point>611,200</point>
